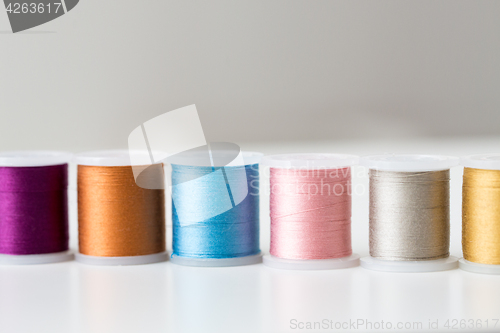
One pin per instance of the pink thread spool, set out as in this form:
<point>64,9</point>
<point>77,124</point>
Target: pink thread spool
<point>310,208</point>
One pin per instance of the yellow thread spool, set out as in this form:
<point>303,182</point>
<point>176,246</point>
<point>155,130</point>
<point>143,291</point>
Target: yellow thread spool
<point>481,214</point>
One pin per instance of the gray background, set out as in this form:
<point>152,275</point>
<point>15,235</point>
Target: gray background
<point>257,70</point>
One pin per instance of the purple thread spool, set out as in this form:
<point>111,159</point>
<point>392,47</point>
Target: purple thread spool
<point>33,207</point>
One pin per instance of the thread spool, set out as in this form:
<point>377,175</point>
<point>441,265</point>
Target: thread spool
<point>215,209</point>
<point>310,211</point>
<point>119,223</point>
<point>481,214</point>
<point>34,207</point>
<point>409,213</point>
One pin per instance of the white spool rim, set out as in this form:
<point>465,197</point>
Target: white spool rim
<point>309,161</point>
<point>35,259</point>
<point>475,267</point>
<point>311,264</point>
<point>31,158</point>
<point>420,266</point>
<point>482,161</point>
<point>199,159</point>
<point>119,157</point>
<point>409,162</point>
<point>121,261</point>
<point>214,262</point>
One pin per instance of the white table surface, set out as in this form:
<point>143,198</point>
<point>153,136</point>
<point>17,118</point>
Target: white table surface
<point>70,297</point>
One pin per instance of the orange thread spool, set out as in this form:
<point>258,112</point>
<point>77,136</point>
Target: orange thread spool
<point>116,217</point>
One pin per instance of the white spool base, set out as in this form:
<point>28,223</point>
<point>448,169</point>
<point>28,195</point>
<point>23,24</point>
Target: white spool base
<point>35,259</point>
<point>209,262</point>
<point>311,264</point>
<point>474,267</point>
<point>121,261</point>
<point>422,266</point>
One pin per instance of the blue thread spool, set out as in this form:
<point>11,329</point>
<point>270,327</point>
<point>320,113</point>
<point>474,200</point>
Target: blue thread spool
<point>215,211</point>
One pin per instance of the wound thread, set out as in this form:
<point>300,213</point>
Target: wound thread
<point>481,216</point>
<point>33,209</point>
<point>117,218</point>
<point>232,233</point>
<point>310,213</point>
<point>409,215</point>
